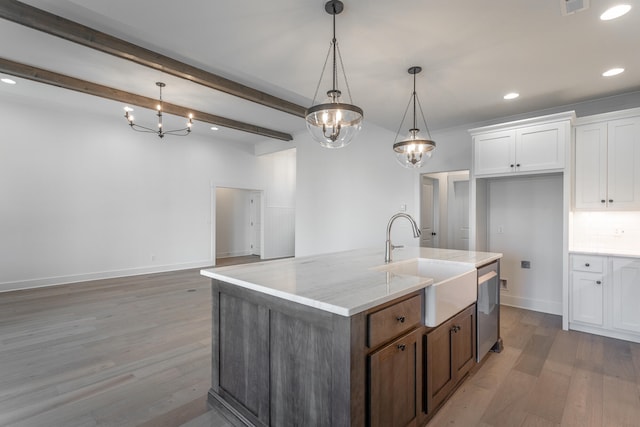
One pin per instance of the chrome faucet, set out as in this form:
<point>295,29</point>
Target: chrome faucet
<point>388,246</point>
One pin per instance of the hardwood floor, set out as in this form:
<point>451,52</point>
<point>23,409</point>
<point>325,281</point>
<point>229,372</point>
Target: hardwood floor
<point>549,377</point>
<point>135,351</point>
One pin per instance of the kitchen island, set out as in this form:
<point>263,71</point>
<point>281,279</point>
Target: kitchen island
<point>337,339</point>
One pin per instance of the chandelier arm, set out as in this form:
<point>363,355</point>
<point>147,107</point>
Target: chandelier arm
<point>423,119</point>
<point>140,128</point>
<point>404,116</point>
<point>324,67</point>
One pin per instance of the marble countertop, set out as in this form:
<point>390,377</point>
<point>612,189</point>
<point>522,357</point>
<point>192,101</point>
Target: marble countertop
<point>344,283</point>
<point>605,252</point>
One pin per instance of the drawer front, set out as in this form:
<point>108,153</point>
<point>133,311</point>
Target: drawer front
<point>592,263</point>
<point>392,321</point>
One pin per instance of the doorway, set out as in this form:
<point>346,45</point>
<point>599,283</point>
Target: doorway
<point>444,210</point>
<point>238,226</point>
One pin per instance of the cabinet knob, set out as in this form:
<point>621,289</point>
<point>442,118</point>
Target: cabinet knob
<point>603,201</point>
<point>598,282</point>
<point>455,329</point>
<point>610,200</point>
<point>587,264</point>
<point>518,165</point>
<point>401,347</point>
<point>400,319</point>
<point>511,165</point>
<point>433,234</point>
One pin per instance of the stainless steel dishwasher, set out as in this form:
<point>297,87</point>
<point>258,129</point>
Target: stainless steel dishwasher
<point>488,310</point>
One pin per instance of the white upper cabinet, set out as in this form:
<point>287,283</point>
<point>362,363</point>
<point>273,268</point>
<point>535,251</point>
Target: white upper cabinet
<point>526,146</point>
<point>607,165</point>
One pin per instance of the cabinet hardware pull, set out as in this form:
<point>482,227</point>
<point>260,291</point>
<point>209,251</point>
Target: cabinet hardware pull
<point>610,200</point>
<point>518,165</point>
<point>603,201</point>
<point>455,329</point>
<point>598,282</point>
<point>586,264</point>
<point>401,347</point>
<point>400,319</point>
<point>511,164</point>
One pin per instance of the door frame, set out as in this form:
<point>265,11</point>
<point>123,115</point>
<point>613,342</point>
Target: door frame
<point>213,223</point>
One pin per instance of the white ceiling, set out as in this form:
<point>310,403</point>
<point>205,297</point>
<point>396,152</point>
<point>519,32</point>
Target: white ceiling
<point>472,53</point>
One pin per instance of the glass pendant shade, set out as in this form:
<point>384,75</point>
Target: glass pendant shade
<point>414,151</point>
<point>333,123</point>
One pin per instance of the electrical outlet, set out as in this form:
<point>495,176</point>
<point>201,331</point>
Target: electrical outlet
<point>525,264</point>
<point>500,229</point>
<point>503,285</point>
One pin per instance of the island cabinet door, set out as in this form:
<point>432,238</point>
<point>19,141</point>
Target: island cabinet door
<point>440,373</point>
<point>240,368</point>
<point>450,355</point>
<point>395,391</point>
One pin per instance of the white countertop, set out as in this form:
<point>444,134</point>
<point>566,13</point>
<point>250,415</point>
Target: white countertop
<point>344,283</point>
<point>605,252</point>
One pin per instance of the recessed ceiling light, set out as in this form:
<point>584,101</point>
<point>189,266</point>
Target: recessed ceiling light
<point>512,95</point>
<point>615,12</point>
<point>613,72</point>
<point>8,81</point>
<point>214,128</point>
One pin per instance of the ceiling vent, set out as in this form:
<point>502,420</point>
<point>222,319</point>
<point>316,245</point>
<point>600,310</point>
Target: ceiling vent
<point>569,7</point>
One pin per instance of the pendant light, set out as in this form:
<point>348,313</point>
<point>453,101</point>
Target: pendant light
<point>333,123</point>
<point>414,151</point>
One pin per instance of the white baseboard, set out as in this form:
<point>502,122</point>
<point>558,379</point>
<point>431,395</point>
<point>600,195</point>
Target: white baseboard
<point>63,280</point>
<point>233,254</point>
<point>543,306</point>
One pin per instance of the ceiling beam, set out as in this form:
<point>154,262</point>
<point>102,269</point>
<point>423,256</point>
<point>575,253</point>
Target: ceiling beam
<point>49,23</point>
<point>49,77</point>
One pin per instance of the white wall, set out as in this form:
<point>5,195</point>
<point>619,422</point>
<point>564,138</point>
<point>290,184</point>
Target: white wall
<point>82,196</point>
<point>346,196</point>
<point>525,224</point>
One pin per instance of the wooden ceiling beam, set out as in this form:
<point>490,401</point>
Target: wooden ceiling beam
<point>49,23</point>
<point>55,79</point>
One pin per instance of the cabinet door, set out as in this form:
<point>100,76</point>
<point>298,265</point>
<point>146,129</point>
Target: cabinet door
<point>440,373</point>
<point>587,298</point>
<point>624,164</point>
<point>395,374</point>
<point>591,167</point>
<point>463,340</point>
<point>626,294</point>
<point>494,153</point>
<point>540,147</point>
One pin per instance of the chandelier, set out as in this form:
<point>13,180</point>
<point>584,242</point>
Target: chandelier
<point>333,123</point>
<point>413,151</point>
<point>159,130</point>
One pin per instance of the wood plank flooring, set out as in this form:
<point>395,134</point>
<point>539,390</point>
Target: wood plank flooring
<point>135,351</point>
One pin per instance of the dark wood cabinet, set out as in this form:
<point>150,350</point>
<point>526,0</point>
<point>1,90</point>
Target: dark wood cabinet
<point>395,373</point>
<point>277,363</point>
<point>450,355</point>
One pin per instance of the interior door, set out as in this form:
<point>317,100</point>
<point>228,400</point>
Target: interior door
<point>458,209</point>
<point>428,197</point>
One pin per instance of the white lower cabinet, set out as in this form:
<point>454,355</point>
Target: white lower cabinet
<point>587,302</point>
<point>626,294</point>
<point>604,296</point>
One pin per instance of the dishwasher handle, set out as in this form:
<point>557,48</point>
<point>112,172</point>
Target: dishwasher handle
<point>486,277</point>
